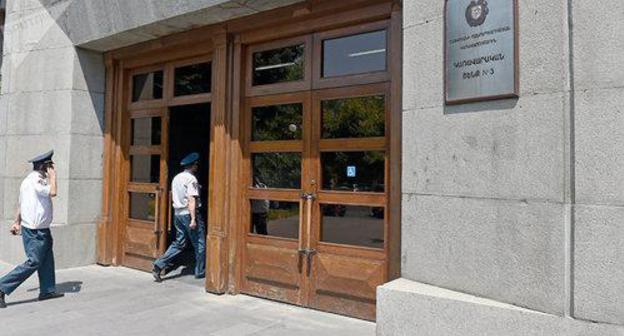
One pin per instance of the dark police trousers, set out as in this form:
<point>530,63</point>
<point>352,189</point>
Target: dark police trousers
<point>184,234</point>
<point>38,248</point>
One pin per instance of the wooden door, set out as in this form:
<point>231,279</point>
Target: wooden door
<point>145,201</point>
<point>348,231</point>
<point>316,166</point>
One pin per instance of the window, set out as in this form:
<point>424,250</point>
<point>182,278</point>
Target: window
<point>355,54</point>
<point>148,86</point>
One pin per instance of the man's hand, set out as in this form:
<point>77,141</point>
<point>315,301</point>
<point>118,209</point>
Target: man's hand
<point>15,228</point>
<point>193,225</point>
<point>51,172</point>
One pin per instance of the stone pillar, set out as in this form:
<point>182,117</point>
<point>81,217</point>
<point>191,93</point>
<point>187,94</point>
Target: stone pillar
<point>52,97</point>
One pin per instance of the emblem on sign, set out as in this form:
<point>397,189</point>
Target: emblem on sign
<point>477,12</point>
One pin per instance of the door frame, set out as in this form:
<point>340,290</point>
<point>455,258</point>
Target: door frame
<point>225,41</point>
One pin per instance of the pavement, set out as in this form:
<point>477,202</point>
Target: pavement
<point>120,301</point>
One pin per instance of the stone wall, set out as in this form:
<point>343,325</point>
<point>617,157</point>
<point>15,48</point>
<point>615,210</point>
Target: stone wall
<point>512,209</point>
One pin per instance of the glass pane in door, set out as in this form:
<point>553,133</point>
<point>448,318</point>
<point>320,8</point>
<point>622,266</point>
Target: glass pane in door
<point>277,122</point>
<point>357,117</point>
<point>277,170</point>
<point>354,171</point>
<point>145,168</point>
<point>275,218</point>
<point>146,131</point>
<point>352,225</point>
<point>143,206</point>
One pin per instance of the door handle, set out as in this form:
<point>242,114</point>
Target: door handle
<point>307,251</point>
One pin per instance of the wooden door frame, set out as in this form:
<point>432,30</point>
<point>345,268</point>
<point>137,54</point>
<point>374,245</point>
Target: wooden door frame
<point>226,42</point>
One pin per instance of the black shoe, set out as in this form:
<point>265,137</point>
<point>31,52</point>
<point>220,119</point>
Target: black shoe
<point>156,274</point>
<point>50,296</point>
<point>2,302</point>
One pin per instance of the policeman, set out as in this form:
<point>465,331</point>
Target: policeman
<point>33,218</point>
<point>189,227</point>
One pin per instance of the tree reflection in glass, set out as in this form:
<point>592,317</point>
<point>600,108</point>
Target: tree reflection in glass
<point>277,122</point>
<point>277,170</point>
<point>358,117</point>
<point>192,79</point>
<point>278,65</point>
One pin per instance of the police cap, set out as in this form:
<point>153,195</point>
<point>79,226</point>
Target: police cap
<point>43,158</point>
<point>190,159</point>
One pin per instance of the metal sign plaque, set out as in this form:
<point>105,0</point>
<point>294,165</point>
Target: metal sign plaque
<point>481,51</point>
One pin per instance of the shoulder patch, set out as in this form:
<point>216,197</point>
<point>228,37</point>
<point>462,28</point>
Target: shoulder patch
<point>43,182</point>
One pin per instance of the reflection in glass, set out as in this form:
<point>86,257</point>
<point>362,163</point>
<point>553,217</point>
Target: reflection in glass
<point>146,131</point>
<point>353,171</point>
<point>277,170</point>
<point>353,225</point>
<point>273,218</point>
<point>278,65</point>
<point>192,79</point>
<point>143,206</point>
<point>145,168</point>
<point>147,86</point>
<point>358,117</point>
<point>277,122</point>
<point>354,54</point>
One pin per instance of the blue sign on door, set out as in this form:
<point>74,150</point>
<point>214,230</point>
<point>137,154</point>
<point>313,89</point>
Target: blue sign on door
<point>351,172</point>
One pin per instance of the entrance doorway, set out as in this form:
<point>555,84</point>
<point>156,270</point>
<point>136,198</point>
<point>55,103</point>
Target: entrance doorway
<point>169,116</point>
<point>189,131</point>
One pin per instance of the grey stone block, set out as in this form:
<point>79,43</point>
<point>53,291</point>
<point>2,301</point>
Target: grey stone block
<point>409,308</point>
<point>84,201</point>
<point>599,151</point>
<point>509,251</point>
<point>42,70</point>
<point>417,12</point>
<point>598,44</point>
<point>599,263</point>
<point>503,149</point>
<point>86,157</point>
<point>423,66</point>
<point>87,113</point>
<point>74,245</point>
<point>39,113</point>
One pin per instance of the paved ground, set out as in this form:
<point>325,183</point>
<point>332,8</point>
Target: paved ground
<point>119,301</point>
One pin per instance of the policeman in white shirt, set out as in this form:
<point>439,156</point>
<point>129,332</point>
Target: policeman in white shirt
<point>189,228</point>
<point>32,220</point>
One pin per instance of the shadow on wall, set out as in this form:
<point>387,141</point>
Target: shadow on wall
<point>492,105</point>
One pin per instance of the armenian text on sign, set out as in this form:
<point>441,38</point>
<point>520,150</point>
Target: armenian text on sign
<point>481,56</point>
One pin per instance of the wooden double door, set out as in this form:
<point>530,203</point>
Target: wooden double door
<point>316,165</point>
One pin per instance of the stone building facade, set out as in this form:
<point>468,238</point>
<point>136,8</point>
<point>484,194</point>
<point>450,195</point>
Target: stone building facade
<point>511,210</point>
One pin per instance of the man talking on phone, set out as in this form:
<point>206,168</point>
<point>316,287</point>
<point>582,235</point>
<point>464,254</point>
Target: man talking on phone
<point>32,219</point>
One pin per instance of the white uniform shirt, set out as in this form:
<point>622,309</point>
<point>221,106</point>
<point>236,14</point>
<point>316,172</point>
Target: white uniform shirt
<point>183,186</point>
<point>260,206</point>
<point>35,202</point>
